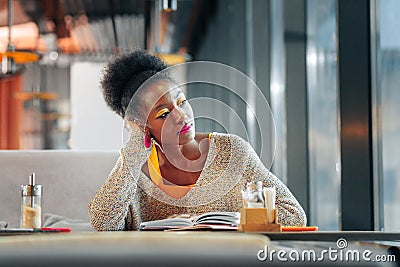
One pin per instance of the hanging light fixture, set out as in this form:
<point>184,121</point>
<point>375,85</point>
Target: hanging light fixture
<point>160,6</point>
<point>11,57</point>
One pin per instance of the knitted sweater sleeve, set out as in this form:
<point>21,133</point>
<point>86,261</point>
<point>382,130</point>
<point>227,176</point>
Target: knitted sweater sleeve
<point>290,212</point>
<point>114,205</point>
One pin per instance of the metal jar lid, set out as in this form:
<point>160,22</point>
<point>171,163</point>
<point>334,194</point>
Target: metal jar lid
<point>32,190</point>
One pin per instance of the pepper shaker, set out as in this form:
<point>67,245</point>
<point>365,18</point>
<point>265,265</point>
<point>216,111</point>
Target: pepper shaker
<point>31,204</point>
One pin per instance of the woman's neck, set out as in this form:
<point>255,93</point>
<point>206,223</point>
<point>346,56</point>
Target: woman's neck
<point>191,155</point>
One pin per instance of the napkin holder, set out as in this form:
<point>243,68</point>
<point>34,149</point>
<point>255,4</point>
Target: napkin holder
<point>256,220</point>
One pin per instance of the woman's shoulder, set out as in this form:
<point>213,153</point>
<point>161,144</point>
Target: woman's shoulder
<point>230,147</point>
<point>224,142</point>
<point>232,139</point>
<point>228,136</point>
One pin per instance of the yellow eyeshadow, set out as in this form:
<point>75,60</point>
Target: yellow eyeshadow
<point>180,101</point>
<point>161,112</point>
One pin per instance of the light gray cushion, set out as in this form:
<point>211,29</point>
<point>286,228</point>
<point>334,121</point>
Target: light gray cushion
<point>70,178</point>
<point>57,221</point>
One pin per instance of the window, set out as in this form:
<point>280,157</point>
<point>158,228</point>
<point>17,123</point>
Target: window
<point>324,171</point>
<point>387,71</point>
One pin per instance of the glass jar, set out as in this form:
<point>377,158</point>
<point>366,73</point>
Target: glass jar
<point>31,204</point>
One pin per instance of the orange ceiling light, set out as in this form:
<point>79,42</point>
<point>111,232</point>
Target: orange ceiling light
<point>172,59</point>
<point>35,95</point>
<point>21,57</point>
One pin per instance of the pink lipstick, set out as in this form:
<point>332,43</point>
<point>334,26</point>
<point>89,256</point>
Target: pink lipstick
<point>186,129</point>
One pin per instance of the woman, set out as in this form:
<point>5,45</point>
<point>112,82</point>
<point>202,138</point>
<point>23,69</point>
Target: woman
<point>166,167</point>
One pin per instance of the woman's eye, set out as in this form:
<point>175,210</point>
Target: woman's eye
<point>163,115</point>
<point>182,101</point>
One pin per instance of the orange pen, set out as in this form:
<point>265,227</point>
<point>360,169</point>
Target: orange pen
<point>299,228</point>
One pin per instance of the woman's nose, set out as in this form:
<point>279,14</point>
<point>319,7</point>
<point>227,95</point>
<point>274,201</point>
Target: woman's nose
<point>179,116</point>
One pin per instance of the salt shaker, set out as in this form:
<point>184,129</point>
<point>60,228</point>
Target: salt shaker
<point>31,204</point>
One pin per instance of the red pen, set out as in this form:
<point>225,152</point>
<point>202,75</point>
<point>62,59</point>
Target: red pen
<point>59,229</point>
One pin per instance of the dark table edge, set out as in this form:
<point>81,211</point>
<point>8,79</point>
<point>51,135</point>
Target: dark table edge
<point>334,236</point>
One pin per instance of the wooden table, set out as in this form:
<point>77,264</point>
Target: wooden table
<point>171,249</point>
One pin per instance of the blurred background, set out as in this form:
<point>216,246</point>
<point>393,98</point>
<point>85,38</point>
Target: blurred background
<point>329,69</point>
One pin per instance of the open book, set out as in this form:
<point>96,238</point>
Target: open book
<point>210,220</point>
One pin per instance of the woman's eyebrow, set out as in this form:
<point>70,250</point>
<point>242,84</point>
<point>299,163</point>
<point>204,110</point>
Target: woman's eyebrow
<point>178,93</point>
<point>164,104</point>
<point>160,106</point>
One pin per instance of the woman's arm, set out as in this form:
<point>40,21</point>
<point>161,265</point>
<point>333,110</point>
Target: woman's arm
<point>109,208</point>
<point>290,212</point>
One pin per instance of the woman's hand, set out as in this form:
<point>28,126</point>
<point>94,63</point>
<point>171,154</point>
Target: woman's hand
<point>135,129</point>
<point>136,154</point>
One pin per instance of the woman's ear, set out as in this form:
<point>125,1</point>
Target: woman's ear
<point>141,125</point>
<point>147,130</point>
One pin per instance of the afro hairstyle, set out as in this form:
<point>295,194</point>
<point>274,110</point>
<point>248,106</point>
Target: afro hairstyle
<point>124,75</point>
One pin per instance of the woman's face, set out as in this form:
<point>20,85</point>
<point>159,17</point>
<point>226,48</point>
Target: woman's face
<point>169,115</point>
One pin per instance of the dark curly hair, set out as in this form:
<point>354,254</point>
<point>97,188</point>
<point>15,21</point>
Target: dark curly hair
<point>123,76</point>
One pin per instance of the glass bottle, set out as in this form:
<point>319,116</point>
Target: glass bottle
<point>31,204</point>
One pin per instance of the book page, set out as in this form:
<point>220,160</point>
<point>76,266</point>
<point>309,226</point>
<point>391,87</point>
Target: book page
<point>229,218</point>
<point>168,223</point>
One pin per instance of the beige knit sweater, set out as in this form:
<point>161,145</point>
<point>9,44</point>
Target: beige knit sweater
<point>129,197</point>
